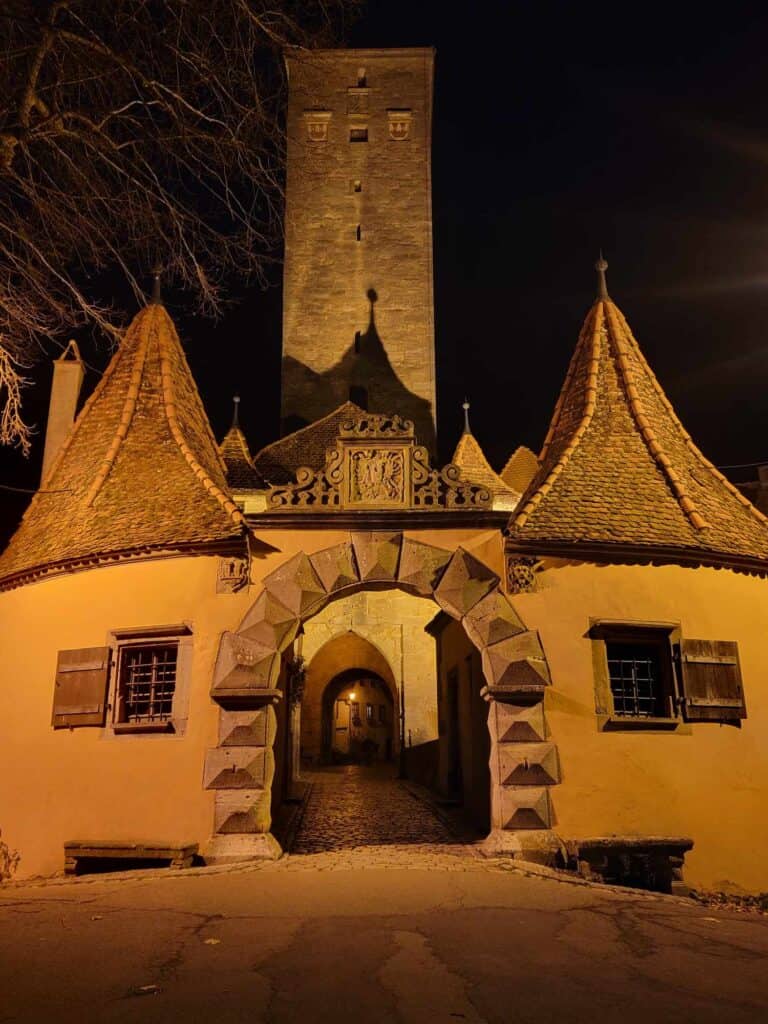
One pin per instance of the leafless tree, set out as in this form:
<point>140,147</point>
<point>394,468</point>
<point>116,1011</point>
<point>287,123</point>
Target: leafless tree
<point>132,132</point>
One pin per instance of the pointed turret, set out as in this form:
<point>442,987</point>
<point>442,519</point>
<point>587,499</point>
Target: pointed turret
<point>474,466</point>
<point>619,472</point>
<point>241,472</point>
<point>139,471</point>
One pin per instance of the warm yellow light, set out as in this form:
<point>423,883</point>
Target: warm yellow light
<point>351,696</point>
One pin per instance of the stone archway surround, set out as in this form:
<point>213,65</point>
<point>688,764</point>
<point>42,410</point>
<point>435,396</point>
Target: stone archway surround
<point>523,762</point>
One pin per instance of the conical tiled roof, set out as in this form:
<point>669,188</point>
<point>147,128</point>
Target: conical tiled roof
<point>475,468</point>
<point>139,471</point>
<point>241,472</point>
<point>521,467</point>
<point>618,469</point>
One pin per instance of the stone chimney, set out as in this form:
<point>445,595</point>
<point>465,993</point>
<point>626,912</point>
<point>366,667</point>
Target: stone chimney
<point>68,375</point>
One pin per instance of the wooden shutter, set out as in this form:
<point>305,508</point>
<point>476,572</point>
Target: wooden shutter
<point>711,680</point>
<point>80,694</point>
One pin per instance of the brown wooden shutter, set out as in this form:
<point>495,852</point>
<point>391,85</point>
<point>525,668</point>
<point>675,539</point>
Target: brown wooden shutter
<point>80,694</point>
<point>711,680</point>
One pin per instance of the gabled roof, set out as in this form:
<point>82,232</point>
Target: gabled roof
<point>139,471</point>
<point>476,469</point>
<point>278,462</point>
<point>618,469</point>
<point>521,467</point>
<point>241,473</point>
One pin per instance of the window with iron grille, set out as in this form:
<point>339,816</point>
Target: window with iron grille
<point>636,680</point>
<point>147,681</point>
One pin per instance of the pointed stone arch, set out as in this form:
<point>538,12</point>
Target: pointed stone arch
<point>523,763</point>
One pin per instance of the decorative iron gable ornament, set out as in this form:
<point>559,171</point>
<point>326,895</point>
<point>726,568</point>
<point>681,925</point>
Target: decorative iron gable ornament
<point>376,464</point>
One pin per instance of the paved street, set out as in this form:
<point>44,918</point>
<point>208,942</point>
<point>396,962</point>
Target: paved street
<point>339,936</point>
<point>361,807</point>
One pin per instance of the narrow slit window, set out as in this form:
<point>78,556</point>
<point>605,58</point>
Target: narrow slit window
<point>362,80</point>
<point>358,233</point>
<point>357,186</point>
<point>358,134</point>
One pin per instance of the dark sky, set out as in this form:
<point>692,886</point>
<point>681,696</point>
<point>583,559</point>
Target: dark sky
<point>559,129</point>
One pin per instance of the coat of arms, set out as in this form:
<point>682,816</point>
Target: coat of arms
<point>377,476</point>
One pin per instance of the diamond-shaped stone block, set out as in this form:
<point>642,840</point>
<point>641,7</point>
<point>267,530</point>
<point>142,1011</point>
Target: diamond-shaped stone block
<point>269,623</point>
<point>528,764</point>
<point>377,555</point>
<point>297,586</point>
<point>525,807</point>
<point>464,582</point>
<point>242,811</point>
<point>517,661</point>
<point>421,566</point>
<point>336,567</point>
<point>518,723</point>
<point>254,728</point>
<point>492,620</point>
<point>235,768</point>
<point>242,664</point>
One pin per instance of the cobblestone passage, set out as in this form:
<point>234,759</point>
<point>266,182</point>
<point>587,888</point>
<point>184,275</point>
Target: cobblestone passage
<point>364,807</point>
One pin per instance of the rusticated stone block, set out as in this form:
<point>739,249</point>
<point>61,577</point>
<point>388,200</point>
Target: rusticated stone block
<point>516,661</point>
<point>336,567</point>
<point>525,807</point>
<point>269,623</point>
<point>464,582</point>
<point>242,811</point>
<point>377,555</point>
<point>421,566</point>
<point>254,728</point>
<point>236,768</point>
<point>518,723</point>
<point>242,664</point>
<point>296,585</point>
<point>492,620</point>
<point>528,764</point>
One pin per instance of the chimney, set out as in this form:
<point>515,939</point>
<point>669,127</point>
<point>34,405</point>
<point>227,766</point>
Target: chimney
<point>68,375</point>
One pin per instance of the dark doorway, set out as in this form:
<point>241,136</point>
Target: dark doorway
<point>358,719</point>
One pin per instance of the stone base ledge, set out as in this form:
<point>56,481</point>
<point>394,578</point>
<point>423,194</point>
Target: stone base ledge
<point>235,848</point>
<point>537,846</point>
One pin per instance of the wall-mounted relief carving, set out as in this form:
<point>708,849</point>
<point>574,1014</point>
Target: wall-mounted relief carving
<point>376,464</point>
<point>317,122</point>
<point>357,100</point>
<point>232,575</point>
<point>399,124</point>
<point>521,574</point>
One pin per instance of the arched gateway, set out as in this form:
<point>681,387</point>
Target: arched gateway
<point>255,670</point>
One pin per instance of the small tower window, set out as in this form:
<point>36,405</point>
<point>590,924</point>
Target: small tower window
<point>359,395</point>
<point>355,186</point>
<point>358,233</point>
<point>362,81</point>
<point>358,134</point>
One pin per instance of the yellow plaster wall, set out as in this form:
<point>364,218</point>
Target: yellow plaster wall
<point>87,783</point>
<point>709,782</point>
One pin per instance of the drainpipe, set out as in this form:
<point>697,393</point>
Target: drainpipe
<point>68,375</point>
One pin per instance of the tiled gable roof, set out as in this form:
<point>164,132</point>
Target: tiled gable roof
<point>278,462</point>
<point>618,468</point>
<point>241,472</point>
<point>475,468</point>
<point>139,470</point>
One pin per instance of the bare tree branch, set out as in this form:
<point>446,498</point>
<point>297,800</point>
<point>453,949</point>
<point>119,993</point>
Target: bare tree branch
<point>134,132</point>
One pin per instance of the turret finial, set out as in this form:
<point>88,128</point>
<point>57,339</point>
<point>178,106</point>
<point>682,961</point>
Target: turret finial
<point>157,291</point>
<point>235,411</point>
<point>601,266</point>
<point>465,407</point>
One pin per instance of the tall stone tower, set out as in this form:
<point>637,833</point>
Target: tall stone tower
<point>358,318</point>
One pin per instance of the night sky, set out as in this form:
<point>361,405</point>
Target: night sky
<point>559,129</point>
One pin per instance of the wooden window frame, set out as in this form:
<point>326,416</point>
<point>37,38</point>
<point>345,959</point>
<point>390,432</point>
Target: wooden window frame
<point>663,636</point>
<point>120,640</point>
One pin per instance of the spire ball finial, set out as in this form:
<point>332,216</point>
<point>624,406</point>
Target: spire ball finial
<point>157,290</point>
<point>465,407</point>
<point>235,410</point>
<point>601,266</point>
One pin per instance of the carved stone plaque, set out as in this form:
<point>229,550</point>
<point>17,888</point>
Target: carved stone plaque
<point>377,477</point>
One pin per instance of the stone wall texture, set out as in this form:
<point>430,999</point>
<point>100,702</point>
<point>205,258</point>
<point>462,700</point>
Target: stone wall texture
<point>359,222</point>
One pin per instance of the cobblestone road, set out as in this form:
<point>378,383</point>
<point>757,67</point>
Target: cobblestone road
<point>353,807</point>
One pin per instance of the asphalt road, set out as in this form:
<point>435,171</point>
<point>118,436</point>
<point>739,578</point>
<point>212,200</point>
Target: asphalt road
<point>382,935</point>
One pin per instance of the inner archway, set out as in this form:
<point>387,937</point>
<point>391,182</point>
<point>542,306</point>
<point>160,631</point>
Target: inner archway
<point>358,719</point>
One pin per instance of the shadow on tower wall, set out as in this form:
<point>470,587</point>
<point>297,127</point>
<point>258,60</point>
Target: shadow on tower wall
<point>363,375</point>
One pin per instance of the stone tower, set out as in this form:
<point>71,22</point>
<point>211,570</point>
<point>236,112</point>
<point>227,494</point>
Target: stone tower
<point>358,319</point>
